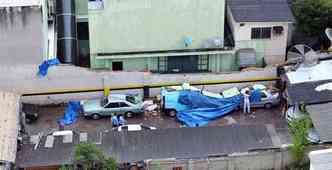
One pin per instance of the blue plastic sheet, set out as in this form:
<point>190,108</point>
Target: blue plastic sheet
<point>43,68</point>
<point>71,113</point>
<point>202,109</point>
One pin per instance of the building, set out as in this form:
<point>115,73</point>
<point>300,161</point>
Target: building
<point>154,35</point>
<point>262,25</point>
<point>312,86</point>
<point>172,144</point>
<point>23,32</point>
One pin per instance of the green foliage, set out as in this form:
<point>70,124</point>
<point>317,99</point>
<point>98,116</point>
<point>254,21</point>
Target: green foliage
<point>89,157</point>
<point>66,167</point>
<point>313,16</point>
<point>110,164</point>
<point>299,130</point>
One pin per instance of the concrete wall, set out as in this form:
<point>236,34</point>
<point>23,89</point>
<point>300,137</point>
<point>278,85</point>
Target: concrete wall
<point>9,126</point>
<point>263,160</point>
<point>81,8</point>
<point>273,50</point>
<point>147,25</point>
<point>21,36</point>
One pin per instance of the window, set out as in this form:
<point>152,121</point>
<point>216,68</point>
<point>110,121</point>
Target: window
<point>203,63</point>
<point>112,105</point>
<point>117,66</point>
<point>162,64</point>
<point>278,30</point>
<point>261,33</point>
<point>177,168</point>
<point>123,104</point>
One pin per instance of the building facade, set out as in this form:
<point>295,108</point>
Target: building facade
<point>154,35</point>
<point>261,25</point>
<point>179,36</point>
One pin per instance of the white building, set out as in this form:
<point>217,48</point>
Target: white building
<point>262,25</point>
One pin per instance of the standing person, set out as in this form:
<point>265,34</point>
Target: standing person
<point>114,121</point>
<point>246,106</point>
<point>122,121</point>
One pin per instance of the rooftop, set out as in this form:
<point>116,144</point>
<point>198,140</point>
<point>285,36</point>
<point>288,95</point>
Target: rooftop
<point>156,144</point>
<point>260,10</point>
<point>309,92</point>
<point>321,115</point>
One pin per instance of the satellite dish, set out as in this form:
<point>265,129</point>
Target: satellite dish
<point>303,55</point>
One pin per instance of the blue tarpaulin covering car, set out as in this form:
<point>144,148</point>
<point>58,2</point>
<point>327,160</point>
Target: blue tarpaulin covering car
<point>71,113</point>
<point>196,109</point>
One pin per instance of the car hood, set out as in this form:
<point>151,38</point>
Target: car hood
<point>91,105</point>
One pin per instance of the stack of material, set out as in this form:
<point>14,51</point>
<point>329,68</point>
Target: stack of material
<point>9,126</point>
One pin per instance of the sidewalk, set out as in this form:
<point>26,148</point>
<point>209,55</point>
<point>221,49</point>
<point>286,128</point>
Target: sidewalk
<point>24,79</point>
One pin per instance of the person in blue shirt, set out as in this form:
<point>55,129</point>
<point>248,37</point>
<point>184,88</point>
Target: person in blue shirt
<point>121,120</point>
<point>115,121</point>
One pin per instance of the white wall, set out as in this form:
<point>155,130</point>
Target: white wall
<point>274,48</point>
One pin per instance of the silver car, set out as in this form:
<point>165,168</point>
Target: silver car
<point>269,99</point>
<point>126,105</point>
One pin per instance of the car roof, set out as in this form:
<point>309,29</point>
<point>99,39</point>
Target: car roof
<point>133,127</point>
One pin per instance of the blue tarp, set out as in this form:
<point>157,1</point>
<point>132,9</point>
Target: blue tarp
<point>202,109</point>
<point>71,113</point>
<point>43,68</point>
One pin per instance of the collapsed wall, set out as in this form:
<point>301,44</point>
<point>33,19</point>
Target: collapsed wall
<point>9,126</point>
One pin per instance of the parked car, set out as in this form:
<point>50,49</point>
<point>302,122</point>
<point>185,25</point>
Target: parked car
<point>134,127</point>
<point>127,105</point>
<point>294,113</point>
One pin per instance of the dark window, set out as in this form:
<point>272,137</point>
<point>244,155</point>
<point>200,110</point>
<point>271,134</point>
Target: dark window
<point>122,104</point>
<point>117,66</point>
<point>124,128</point>
<point>177,168</point>
<point>263,95</point>
<point>278,30</point>
<point>261,33</point>
<point>112,105</point>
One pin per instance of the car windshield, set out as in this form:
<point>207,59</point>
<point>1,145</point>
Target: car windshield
<point>132,99</point>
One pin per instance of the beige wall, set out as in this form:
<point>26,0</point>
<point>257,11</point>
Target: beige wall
<point>9,120</point>
<point>274,49</point>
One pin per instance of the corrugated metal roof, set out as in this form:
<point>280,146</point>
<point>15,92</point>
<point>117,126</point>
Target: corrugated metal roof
<point>156,144</point>
<point>260,10</point>
<point>321,115</point>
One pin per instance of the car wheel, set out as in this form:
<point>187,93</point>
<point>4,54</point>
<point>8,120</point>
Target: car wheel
<point>95,116</point>
<point>172,113</point>
<point>129,114</point>
<point>268,106</point>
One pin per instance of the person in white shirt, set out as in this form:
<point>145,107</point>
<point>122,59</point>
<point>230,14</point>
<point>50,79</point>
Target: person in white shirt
<point>246,104</point>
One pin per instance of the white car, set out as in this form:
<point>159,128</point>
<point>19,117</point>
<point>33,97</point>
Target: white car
<point>134,127</point>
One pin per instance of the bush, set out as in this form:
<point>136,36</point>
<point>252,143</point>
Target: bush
<point>299,130</point>
<point>312,16</point>
<point>88,157</point>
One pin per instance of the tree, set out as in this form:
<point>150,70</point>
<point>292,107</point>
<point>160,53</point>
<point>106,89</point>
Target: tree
<point>88,157</point>
<point>313,16</point>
